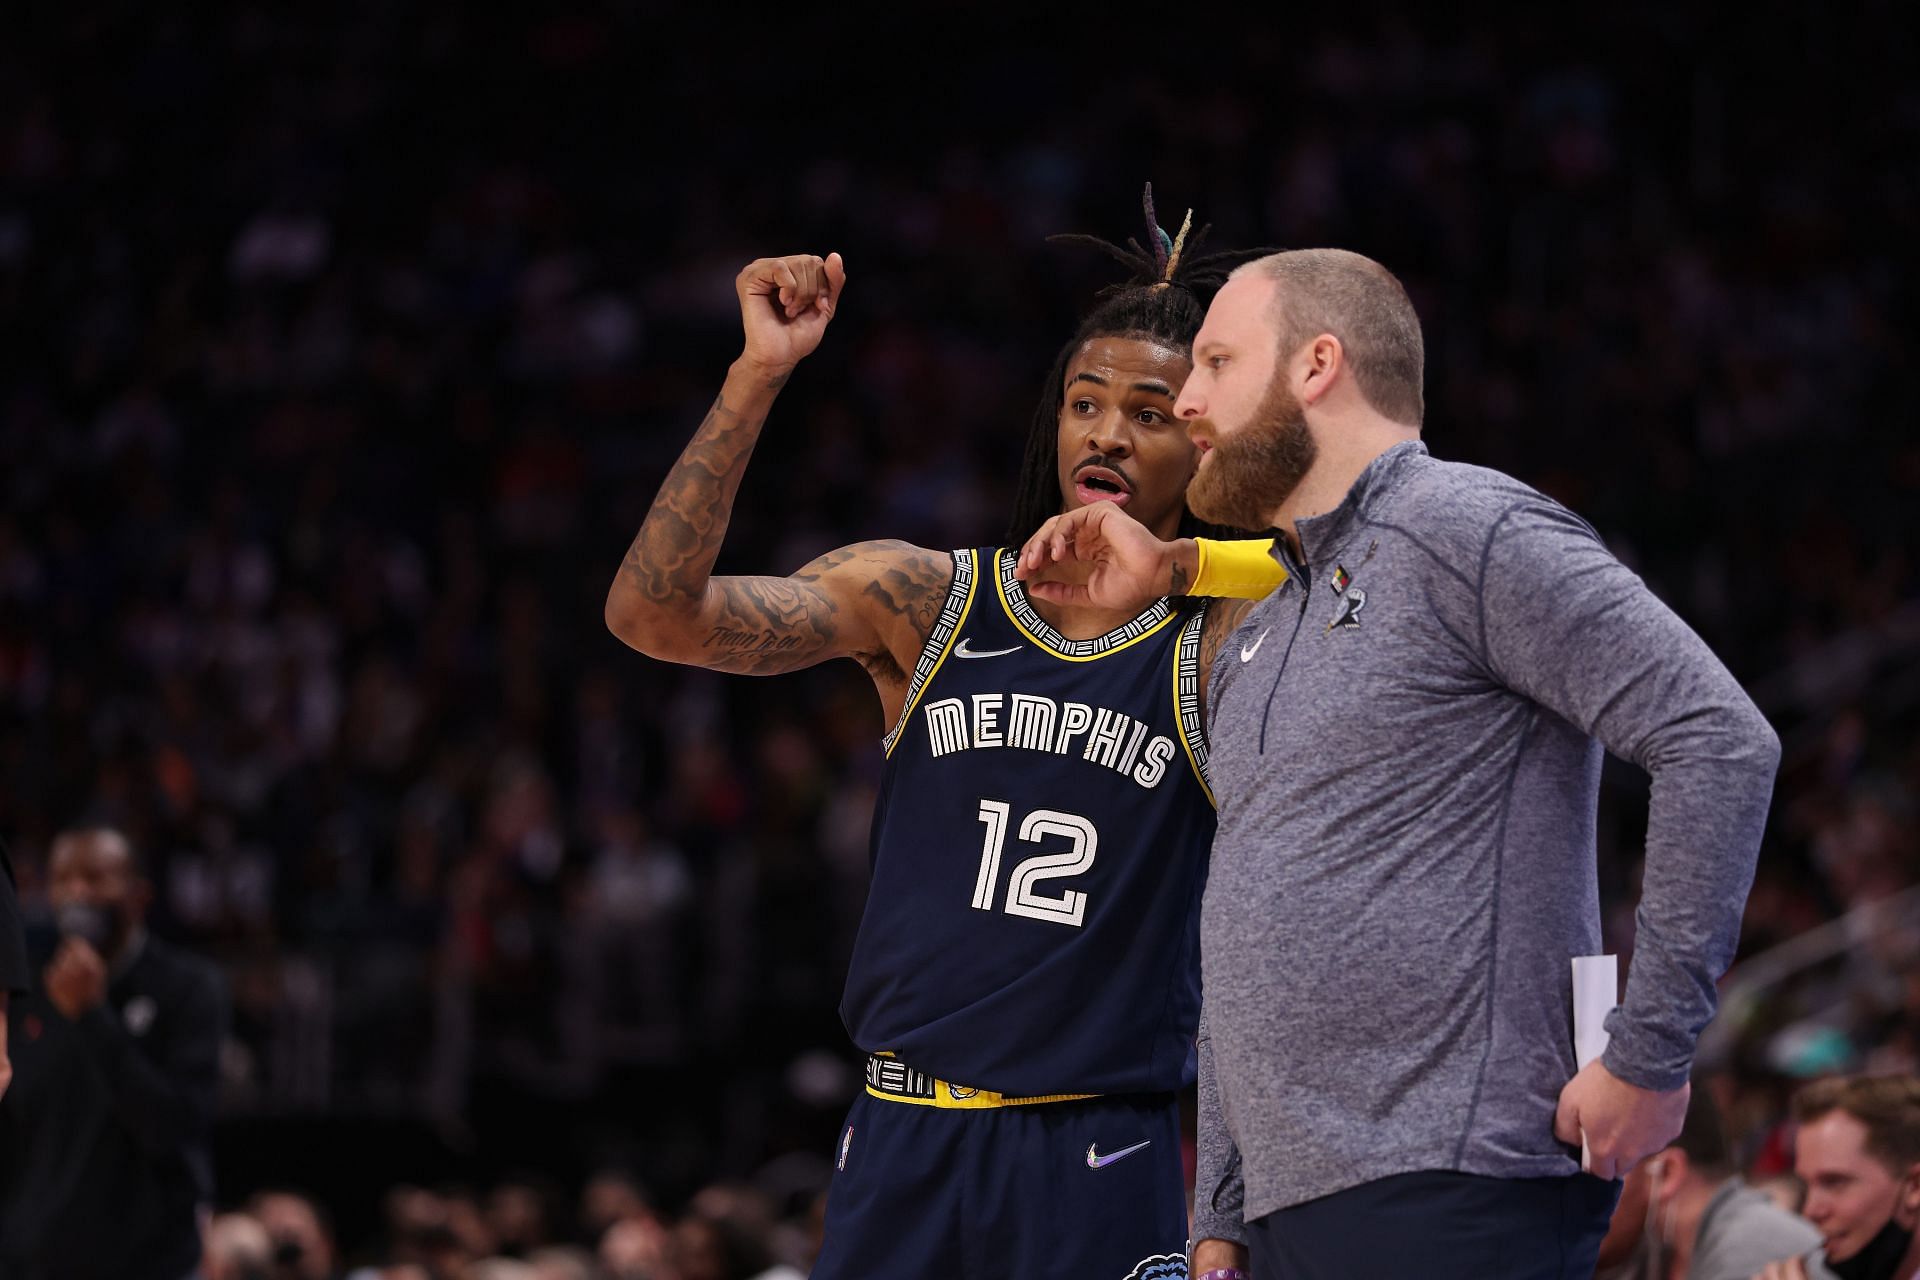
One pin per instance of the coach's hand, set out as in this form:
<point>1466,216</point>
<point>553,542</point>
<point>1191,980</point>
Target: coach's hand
<point>1215,1255</point>
<point>1623,1123</point>
<point>785,306</point>
<point>1130,568</point>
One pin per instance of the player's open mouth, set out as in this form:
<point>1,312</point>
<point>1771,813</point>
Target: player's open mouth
<point>1100,484</point>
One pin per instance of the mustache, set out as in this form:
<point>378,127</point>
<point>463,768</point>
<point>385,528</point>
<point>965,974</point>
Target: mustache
<point>1110,463</point>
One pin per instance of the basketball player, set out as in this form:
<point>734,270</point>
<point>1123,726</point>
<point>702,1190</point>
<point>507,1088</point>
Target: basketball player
<point>1025,976</point>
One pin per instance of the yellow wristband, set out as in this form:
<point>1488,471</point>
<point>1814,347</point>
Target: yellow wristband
<point>1243,570</point>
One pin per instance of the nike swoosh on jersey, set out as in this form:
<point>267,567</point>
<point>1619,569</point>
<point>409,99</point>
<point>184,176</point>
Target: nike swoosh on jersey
<point>961,651</point>
<point>1097,1161</point>
<point>1246,654</point>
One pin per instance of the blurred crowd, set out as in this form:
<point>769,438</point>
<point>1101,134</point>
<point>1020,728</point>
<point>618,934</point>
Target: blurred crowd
<point>520,1230</point>
<point>345,344</point>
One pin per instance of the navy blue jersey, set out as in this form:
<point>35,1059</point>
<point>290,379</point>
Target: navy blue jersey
<point>1039,847</point>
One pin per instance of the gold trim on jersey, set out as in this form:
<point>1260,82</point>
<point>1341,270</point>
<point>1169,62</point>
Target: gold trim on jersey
<point>891,1080</point>
<point>953,614</point>
<point>1186,700</point>
<point>1027,620</point>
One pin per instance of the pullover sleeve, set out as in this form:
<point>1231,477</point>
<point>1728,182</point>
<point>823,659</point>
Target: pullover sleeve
<point>1219,1196</point>
<point>1564,623</point>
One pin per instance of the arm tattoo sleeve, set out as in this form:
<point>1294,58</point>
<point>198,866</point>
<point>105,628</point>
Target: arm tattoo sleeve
<point>863,601</point>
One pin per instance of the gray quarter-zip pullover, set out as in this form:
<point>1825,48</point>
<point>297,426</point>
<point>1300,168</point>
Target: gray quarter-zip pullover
<point>1407,739</point>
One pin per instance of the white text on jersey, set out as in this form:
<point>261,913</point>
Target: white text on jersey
<point>1036,723</point>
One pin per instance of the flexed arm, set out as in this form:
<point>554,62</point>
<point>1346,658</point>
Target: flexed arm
<point>874,601</point>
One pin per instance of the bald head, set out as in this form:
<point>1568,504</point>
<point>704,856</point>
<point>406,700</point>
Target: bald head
<point>1361,303</point>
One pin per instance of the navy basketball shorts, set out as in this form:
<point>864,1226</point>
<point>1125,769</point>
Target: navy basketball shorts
<point>1440,1225</point>
<point>1091,1189</point>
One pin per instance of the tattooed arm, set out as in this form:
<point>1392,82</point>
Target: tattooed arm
<point>873,601</point>
<point>1223,619</point>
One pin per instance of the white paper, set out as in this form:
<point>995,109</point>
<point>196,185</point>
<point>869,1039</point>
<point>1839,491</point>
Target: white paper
<point>1596,990</point>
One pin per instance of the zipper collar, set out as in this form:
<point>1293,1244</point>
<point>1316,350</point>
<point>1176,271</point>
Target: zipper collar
<point>1322,536</point>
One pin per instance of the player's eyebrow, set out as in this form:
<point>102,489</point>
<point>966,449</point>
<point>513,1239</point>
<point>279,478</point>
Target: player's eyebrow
<point>1157,387</point>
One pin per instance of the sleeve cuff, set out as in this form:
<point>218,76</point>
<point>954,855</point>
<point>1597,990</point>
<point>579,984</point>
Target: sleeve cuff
<point>1209,1224</point>
<point>1242,569</point>
<point>1620,1059</point>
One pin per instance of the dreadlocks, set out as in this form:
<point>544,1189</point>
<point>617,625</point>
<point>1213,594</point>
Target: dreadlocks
<point>1163,299</point>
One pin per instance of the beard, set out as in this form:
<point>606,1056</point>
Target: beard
<point>1255,467</point>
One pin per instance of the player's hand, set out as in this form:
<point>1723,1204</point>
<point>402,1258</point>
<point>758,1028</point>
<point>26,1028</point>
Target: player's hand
<point>1211,1255</point>
<point>1623,1123</point>
<point>76,979</point>
<point>1131,567</point>
<point>785,306</point>
<point>1787,1269</point>
<point>6,1063</point>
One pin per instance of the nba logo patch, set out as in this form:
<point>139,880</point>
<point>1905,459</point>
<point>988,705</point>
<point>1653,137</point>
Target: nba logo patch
<point>846,1144</point>
<point>1161,1266</point>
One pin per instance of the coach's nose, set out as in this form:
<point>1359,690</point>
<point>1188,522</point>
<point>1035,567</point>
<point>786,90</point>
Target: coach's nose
<point>1192,402</point>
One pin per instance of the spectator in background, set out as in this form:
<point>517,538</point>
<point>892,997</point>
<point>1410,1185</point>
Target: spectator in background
<point>1684,1213</point>
<point>118,1065</point>
<point>1858,1151</point>
<point>302,1237</point>
<point>13,960</point>
<point>561,1263</point>
<point>237,1248</point>
<point>520,1216</point>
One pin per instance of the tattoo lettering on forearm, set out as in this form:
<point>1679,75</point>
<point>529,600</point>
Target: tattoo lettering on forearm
<point>752,641</point>
<point>1179,583</point>
<point>771,618</point>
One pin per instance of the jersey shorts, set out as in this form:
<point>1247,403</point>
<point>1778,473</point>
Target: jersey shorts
<point>1092,1189</point>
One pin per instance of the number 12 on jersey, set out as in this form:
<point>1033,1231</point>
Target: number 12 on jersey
<point>1070,907</point>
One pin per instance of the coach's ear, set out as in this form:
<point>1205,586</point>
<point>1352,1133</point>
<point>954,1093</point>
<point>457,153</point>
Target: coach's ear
<point>1318,367</point>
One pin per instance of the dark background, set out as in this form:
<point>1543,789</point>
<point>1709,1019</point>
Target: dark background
<point>342,346</point>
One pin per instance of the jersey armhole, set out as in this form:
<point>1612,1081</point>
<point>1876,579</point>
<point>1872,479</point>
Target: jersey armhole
<point>1186,699</point>
<point>953,612</point>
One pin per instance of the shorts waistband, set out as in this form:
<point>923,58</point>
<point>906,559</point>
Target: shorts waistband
<point>890,1079</point>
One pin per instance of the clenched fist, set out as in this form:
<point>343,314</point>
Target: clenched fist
<point>785,307</point>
